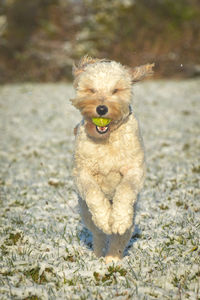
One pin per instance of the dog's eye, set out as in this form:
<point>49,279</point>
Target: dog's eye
<point>115,91</point>
<point>91,91</point>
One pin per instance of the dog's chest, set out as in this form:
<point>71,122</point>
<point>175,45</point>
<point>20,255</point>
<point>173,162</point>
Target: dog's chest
<point>102,159</point>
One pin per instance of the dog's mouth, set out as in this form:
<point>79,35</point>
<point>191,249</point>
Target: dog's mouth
<point>101,129</point>
<point>98,131</point>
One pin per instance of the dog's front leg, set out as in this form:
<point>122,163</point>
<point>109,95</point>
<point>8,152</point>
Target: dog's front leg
<point>96,201</point>
<point>124,200</point>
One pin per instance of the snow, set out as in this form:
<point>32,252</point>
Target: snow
<point>44,249</point>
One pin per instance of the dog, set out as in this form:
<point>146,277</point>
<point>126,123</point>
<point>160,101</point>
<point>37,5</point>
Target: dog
<point>109,165</point>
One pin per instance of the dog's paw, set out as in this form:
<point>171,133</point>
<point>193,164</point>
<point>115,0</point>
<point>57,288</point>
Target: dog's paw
<point>105,227</point>
<point>110,258</point>
<point>103,223</point>
<point>119,228</point>
<point>121,224</point>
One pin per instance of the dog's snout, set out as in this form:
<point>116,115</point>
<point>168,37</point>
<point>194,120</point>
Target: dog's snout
<point>101,110</point>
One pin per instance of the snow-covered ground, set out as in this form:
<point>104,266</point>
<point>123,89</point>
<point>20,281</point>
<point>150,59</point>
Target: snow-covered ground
<point>45,252</point>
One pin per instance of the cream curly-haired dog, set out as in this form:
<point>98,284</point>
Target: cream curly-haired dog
<point>109,166</point>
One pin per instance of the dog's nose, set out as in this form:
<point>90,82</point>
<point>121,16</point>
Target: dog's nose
<point>101,110</point>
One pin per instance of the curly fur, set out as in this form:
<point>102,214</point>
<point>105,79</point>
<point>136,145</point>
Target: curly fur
<point>109,168</point>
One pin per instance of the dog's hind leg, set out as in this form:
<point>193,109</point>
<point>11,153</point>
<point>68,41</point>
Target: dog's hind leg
<point>117,245</point>
<point>99,243</point>
<point>99,238</point>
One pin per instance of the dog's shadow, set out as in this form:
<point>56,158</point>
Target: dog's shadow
<point>135,236</point>
<point>85,237</point>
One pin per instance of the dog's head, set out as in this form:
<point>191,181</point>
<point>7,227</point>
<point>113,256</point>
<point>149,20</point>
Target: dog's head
<point>103,91</point>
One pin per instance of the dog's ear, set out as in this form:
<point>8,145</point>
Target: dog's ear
<point>139,73</point>
<point>74,101</point>
<point>85,60</point>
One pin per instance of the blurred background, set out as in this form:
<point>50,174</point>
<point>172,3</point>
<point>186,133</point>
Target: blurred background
<point>40,39</point>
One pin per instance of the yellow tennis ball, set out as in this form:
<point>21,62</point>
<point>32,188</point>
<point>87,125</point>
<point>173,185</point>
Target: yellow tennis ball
<point>101,122</point>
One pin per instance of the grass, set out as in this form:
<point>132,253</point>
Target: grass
<point>45,253</point>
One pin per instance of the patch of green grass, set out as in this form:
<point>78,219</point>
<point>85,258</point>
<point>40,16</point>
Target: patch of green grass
<point>17,221</point>
<point>163,207</point>
<point>4,250</point>
<point>186,147</point>
<point>70,258</point>
<point>195,248</point>
<point>13,239</point>
<point>196,169</point>
<point>110,276</point>
<point>174,184</point>
<point>17,203</point>
<point>179,203</point>
<point>186,112</point>
<point>34,273</point>
<point>33,297</point>
<point>73,281</point>
<point>7,273</point>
